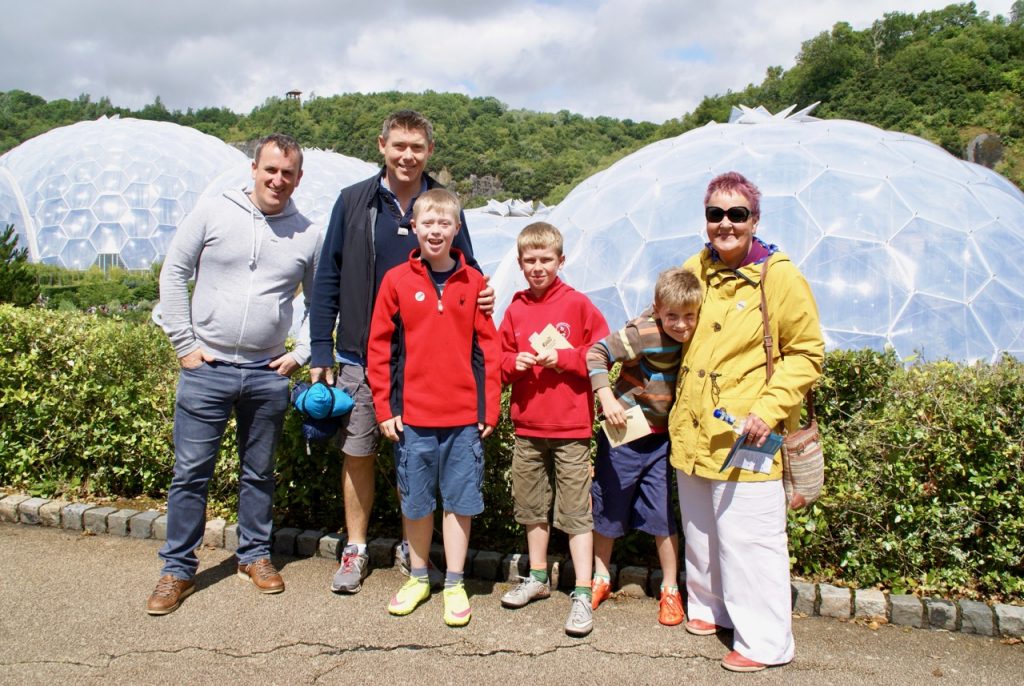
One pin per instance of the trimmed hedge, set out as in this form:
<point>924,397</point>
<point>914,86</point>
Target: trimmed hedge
<point>924,465</point>
<point>923,490</point>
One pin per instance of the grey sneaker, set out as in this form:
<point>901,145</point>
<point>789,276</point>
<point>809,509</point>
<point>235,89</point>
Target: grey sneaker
<point>435,575</point>
<point>353,569</point>
<point>526,590</point>
<point>581,616</point>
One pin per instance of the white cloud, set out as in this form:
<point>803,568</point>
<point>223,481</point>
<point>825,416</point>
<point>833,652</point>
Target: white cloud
<point>641,59</point>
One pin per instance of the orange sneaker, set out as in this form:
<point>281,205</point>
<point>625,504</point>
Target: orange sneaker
<point>601,590</point>
<point>670,608</point>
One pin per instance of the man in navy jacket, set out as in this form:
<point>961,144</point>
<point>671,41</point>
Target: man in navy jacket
<point>368,234</point>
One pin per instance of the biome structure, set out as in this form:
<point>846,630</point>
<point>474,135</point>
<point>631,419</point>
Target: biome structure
<point>903,244</point>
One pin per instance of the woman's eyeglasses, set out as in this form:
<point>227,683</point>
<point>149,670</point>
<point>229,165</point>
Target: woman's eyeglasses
<point>737,215</point>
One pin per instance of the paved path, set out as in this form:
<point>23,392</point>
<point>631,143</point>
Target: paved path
<point>71,611</point>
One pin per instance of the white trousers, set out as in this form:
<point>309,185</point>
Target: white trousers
<point>737,562</point>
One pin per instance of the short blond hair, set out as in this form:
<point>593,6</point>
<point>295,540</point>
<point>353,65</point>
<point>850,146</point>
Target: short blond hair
<point>677,288</point>
<point>439,199</point>
<point>539,235</point>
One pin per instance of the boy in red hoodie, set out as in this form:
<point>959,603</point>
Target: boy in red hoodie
<point>545,335</point>
<point>433,366</point>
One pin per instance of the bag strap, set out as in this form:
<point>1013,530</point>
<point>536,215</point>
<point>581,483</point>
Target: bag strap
<point>769,368</point>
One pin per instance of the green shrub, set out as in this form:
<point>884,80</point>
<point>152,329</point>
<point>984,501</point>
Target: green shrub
<point>84,400</point>
<point>923,488</point>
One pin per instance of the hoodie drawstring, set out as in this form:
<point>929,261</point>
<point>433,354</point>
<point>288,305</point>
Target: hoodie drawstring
<point>257,240</point>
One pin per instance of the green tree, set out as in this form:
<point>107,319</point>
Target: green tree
<point>16,283</point>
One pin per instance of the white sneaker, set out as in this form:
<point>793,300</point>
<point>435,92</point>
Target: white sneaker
<point>581,616</point>
<point>526,590</point>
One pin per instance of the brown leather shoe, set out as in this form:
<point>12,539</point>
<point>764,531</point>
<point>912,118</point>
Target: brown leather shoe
<point>263,575</point>
<point>168,594</point>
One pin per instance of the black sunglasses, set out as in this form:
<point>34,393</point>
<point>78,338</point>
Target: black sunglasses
<point>737,215</point>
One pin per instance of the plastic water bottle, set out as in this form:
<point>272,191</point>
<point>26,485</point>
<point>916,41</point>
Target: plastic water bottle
<point>720,413</point>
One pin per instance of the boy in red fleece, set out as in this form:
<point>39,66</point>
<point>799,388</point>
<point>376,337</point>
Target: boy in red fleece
<point>434,369</point>
<point>545,335</point>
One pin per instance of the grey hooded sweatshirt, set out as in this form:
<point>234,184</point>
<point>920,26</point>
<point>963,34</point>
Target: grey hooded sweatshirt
<point>248,268</point>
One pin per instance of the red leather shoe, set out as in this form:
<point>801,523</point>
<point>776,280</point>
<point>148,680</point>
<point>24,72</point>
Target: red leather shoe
<point>735,662</point>
<point>698,627</point>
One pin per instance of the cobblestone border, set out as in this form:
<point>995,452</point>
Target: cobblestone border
<point>813,600</point>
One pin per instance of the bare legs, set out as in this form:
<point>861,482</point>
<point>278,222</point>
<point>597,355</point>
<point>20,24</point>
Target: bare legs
<point>668,556</point>
<point>455,530</point>
<point>357,487</point>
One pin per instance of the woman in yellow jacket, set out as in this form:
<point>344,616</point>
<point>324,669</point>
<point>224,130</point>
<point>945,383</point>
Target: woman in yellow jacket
<point>734,521</point>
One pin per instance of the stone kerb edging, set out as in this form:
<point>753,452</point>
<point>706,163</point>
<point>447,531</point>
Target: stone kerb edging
<point>813,600</point>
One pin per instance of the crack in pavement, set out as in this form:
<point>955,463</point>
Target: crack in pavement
<point>329,650</point>
<point>531,653</point>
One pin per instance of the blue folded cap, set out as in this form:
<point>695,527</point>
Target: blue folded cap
<point>321,401</point>
<point>320,406</point>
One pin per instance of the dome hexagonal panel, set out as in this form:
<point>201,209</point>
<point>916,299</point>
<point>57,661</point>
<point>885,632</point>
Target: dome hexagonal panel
<point>855,206</point>
<point>78,253</point>
<point>138,253</point>
<point>108,238</point>
<point>937,327</point>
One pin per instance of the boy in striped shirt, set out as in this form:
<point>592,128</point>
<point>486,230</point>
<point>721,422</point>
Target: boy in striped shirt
<point>632,486</point>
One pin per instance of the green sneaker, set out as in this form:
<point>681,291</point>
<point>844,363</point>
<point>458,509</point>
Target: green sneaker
<point>409,596</point>
<point>457,611</point>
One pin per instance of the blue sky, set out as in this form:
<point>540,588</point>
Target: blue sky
<point>640,59</point>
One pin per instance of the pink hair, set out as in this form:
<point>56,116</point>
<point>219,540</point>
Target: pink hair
<point>734,182</point>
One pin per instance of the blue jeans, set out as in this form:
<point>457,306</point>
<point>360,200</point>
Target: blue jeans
<point>205,400</point>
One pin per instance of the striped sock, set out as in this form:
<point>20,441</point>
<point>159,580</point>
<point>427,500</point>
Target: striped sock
<point>453,579</point>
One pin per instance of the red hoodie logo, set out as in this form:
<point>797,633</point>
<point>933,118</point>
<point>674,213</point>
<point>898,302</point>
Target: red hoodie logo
<point>564,329</point>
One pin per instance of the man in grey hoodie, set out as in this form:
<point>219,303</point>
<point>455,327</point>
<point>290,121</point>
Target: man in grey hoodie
<point>249,252</point>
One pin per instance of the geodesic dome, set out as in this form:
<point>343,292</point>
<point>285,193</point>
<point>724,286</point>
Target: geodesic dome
<point>493,229</point>
<point>324,174</point>
<point>902,243</point>
<point>110,191</point>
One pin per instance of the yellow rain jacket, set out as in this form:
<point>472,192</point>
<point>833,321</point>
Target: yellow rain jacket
<point>724,366</point>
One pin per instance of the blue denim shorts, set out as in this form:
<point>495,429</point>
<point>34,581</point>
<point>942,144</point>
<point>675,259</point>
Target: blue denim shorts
<point>633,487</point>
<point>450,459</point>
